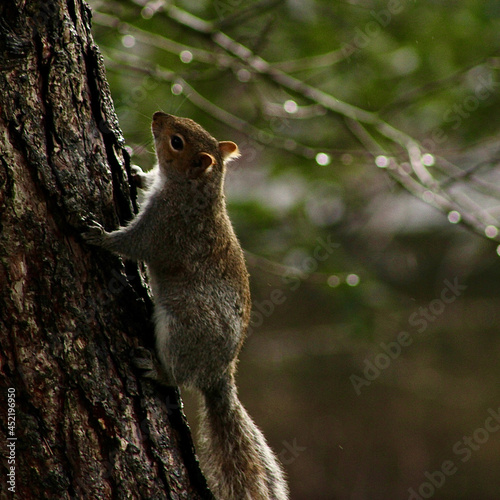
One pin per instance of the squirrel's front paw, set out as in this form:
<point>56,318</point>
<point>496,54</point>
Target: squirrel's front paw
<point>138,176</point>
<point>94,234</point>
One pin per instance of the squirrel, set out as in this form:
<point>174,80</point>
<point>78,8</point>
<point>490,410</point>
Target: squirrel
<point>201,297</point>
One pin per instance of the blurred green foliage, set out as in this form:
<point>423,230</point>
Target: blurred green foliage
<point>430,70</point>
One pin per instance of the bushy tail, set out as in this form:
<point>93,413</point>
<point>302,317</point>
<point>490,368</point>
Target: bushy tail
<point>235,457</point>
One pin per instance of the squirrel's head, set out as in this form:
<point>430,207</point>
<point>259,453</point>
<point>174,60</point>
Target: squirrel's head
<point>186,150</point>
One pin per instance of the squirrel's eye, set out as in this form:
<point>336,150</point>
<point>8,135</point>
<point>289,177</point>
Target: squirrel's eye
<point>177,143</point>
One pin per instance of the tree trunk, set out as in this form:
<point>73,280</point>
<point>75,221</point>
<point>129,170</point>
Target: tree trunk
<point>76,420</point>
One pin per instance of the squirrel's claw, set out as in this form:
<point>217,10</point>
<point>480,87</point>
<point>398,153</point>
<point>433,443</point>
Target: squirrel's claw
<point>94,233</point>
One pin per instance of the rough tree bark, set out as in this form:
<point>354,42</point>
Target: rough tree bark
<point>70,315</point>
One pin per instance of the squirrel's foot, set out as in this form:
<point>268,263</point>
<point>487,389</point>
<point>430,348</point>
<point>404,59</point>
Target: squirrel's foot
<point>94,234</point>
<point>145,361</point>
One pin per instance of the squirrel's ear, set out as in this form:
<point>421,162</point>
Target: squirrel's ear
<point>229,150</point>
<point>203,163</point>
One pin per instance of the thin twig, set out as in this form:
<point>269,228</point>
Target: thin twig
<point>283,271</point>
<point>313,62</point>
<point>244,14</point>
